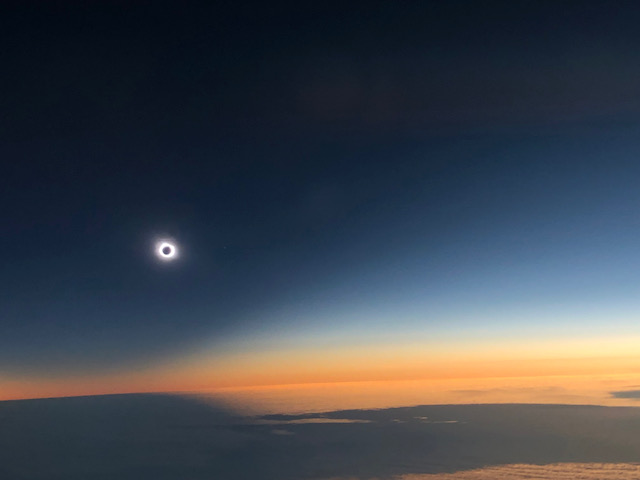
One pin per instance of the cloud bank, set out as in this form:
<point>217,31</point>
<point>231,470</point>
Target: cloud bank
<point>558,471</point>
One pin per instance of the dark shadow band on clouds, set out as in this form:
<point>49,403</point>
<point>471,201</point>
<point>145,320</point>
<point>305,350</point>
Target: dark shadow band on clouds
<point>167,437</point>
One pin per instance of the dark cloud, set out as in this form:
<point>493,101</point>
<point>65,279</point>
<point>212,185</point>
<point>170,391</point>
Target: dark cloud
<point>633,394</point>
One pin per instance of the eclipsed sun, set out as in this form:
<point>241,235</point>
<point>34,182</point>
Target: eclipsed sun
<point>166,250</point>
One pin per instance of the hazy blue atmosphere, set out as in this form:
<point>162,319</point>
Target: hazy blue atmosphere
<point>424,162</point>
<point>420,218</point>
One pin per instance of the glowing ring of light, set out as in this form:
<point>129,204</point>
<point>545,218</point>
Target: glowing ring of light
<point>172,250</point>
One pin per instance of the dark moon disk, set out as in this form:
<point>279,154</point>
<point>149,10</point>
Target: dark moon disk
<point>166,251</point>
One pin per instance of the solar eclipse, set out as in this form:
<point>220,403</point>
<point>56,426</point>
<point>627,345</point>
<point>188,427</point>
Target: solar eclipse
<point>166,250</point>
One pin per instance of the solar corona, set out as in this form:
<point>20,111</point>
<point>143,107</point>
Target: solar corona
<point>166,251</point>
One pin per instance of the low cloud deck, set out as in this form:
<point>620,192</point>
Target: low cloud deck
<point>169,437</point>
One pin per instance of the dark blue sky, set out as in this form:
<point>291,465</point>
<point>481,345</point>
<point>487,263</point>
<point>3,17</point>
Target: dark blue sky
<point>308,158</point>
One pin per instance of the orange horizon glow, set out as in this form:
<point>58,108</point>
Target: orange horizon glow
<point>367,363</point>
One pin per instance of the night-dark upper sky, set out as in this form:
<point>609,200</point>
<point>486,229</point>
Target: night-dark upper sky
<point>312,158</point>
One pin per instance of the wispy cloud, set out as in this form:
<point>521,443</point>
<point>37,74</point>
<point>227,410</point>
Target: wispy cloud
<point>278,431</point>
<point>427,420</point>
<point>308,420</point>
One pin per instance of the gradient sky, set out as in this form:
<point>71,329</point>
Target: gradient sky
<point>349,184</point>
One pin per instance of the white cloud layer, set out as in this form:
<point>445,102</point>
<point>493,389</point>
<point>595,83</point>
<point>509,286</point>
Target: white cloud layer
<point>556,471</point>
